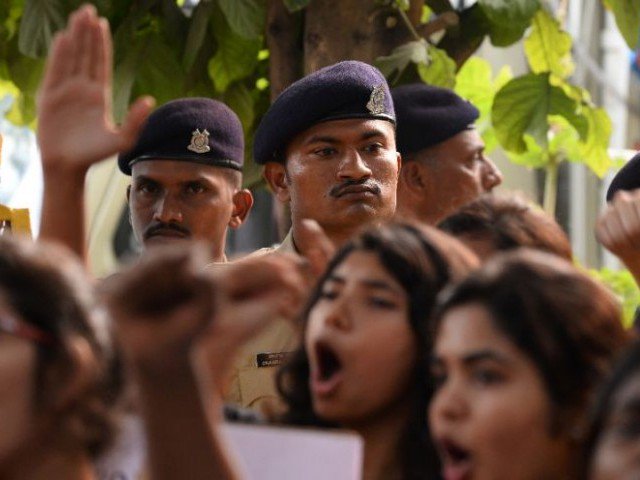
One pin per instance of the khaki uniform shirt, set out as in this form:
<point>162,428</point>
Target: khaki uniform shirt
<point>252,382</point>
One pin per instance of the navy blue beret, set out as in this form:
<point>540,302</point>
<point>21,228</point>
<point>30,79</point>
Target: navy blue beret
<point>200,130</point>
<point>428,115</point>
<point>345,90</point>
<point>628,178</point>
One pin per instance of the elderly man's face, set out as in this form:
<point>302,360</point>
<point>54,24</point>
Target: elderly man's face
<point>341,173</point>
<point>458,173</point>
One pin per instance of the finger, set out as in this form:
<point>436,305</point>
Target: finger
<point>601,230</point>
<point>59,62</point>
<point>629,220</point>
<point>96,65</point>
<point>88,27</point>
<point>603,235</point>
<point>76,39</point>
<point>315,245</point>
<point>165,274</point>
<point>136,117</point>
<point>616,231</point>
<point>263,275</point>
<point>104,67</point>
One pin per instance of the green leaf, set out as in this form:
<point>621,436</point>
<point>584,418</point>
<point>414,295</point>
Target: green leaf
<point>623,285</point>
<point>239,99</point>
<point>10,13</point>
<point>425,16</point>
<point>246,17</point>
<point>15,114</point>
<point>508,19</point>
<point>295,5</point>
<point>565,142</point>
<point>164,79</point>
<point>522,107</point>
<point>595,150</point>
<point>548,47</point>
<point>411,52</point>
<point>532,157</point>
<point>124,76</point>
<point>197,32</point>
<point>474,83</point>
<point>40,20</point>
<point>627,14</point>
<point>440,71</point>
<point>235,58</point>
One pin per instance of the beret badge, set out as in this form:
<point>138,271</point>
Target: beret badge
<point>375,105</point>
<point>199,141</point>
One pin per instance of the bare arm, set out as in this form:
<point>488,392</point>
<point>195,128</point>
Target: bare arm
<point>179,327</point>
<point>75,128</point>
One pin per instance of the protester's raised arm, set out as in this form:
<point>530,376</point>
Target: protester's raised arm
<point>169,310</point>
<point>75,125</point>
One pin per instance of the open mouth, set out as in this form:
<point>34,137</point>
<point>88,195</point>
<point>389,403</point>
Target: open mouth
<point>456,461</point>
<point>326,377</point>
<point>328,362</point>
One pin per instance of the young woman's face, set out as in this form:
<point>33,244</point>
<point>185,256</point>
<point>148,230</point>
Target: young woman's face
<point>617,452</point>
<point>361,349</point>
<point>17,378</point>
<point>490,415</point>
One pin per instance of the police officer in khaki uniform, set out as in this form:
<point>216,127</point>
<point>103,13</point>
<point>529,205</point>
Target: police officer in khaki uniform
<point>328,149</point>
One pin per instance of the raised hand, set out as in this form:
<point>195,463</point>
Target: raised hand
<point>75,126</point>
<point>315,246</point>
<point>168,302</point>
<point>618,229</point>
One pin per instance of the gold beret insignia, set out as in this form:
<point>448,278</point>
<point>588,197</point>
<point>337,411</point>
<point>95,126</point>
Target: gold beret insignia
<point>199,141</point>
<point>376,101</point>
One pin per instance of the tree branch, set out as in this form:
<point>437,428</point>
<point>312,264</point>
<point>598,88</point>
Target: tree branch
<point>285,51</point>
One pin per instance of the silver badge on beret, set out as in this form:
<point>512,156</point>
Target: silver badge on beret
<point>376,100</point>
<point>199,141</point>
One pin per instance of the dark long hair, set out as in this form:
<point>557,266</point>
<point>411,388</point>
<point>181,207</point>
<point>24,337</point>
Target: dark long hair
<point>423,261</point>
<point>46,287</point>
<point>565,322</point>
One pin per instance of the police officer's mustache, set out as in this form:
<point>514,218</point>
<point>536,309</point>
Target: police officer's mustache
<point>355,186</point>
<point>172,229</point>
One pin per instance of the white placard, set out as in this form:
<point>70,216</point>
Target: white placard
<point>281,453</point>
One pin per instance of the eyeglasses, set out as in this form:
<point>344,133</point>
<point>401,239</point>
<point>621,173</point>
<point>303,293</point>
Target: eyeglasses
<point>18,328</point>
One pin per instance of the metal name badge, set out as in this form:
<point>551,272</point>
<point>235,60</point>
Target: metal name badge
<point>271,359</point>
<point>199,141</point>
<point>376,101</point>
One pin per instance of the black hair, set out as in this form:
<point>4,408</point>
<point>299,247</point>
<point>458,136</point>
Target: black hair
<point>508,222</point>
<point>46,287</point>
<point>423,261</point>
<point>566,323</point>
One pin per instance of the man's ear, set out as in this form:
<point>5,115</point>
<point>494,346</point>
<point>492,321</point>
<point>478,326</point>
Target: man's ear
<point>275,175</point>
<point>242,203</point>
<point>414,176</point>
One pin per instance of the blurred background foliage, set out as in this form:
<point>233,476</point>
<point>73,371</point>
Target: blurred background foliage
<point>244,52</point>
